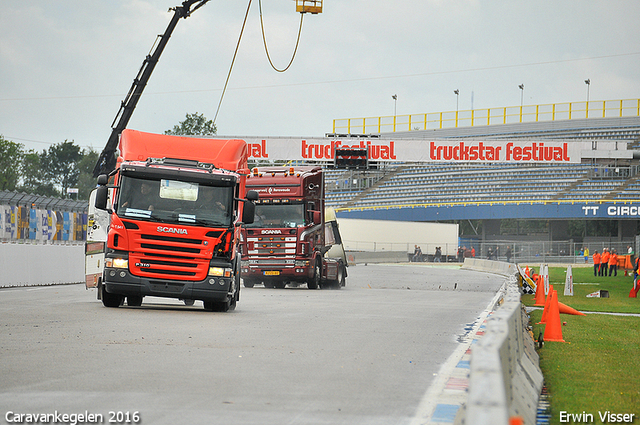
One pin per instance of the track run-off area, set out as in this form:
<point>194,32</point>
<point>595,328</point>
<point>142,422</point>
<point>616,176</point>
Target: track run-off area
<point>369,353</point>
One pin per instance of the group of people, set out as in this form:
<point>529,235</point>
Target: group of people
<point>463,252</point>
<point>605,264</point>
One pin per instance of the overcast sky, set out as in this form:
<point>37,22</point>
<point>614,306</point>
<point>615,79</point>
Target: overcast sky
<point>66,65</point>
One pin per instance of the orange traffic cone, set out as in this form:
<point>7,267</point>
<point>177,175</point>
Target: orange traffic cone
<point>539,292</point>
<point>553,330</point>
<point>545,312</point>
<point>634,291</point>
<point>565,309</point>
<point>515,420</point>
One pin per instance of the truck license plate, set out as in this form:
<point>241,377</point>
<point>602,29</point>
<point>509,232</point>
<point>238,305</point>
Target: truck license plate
<point>272,273</point>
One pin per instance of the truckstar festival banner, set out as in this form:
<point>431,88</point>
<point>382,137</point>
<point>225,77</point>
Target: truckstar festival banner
<point>418,150</point>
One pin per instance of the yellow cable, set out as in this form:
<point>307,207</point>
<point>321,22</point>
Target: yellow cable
<point>232,62</point>
<point>264,39</point>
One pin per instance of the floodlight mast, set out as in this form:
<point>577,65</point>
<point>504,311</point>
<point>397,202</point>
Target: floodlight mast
<point>107,160</point>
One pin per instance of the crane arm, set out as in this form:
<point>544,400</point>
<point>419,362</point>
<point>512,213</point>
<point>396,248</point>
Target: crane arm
<point>107,160</point>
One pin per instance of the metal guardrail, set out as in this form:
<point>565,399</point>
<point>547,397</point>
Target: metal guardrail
<point>44,202</point>
<point>489,116</point>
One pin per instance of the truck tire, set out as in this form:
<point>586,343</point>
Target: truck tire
<point>221,307</point>
<point>134,300</point>
<point>314,282</point>
<point>216,306</point>
<point>111,300</point>
<point>188,302</point>
<point>99,294</point>
<point>340,281</point>
<point>248,283</point>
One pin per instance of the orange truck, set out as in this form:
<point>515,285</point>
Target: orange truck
<point>294,239</point>
<point>175,206</point>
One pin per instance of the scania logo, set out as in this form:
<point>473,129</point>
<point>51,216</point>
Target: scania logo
<point>271,232</point>
<point>163,229</point>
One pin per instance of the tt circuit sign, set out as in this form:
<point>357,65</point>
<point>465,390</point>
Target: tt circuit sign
<point>417,150</point>
<point>548,210</point>
<point>611,211</point>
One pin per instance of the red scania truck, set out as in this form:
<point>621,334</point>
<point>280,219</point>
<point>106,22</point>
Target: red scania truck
<point>175,210</point>
<point>292,240</point>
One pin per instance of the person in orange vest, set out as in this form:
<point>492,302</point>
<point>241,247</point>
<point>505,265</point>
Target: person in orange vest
<point>596,263</point>
<point>604,262</point>
<point>613,263</point>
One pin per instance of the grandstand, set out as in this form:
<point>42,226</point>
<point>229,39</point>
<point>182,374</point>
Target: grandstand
<point>607,176</point>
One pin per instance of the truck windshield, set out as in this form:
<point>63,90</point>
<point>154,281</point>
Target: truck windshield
<point>278,216</point>
<point>173,201</point>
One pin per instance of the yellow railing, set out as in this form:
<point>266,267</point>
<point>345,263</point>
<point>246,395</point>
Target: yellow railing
<point>478,117</point>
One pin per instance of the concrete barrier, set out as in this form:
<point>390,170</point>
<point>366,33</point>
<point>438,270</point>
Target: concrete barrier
<point>40,264</point>
<point>504,377</point>
<point>490,266</point>
<point>361,257</point>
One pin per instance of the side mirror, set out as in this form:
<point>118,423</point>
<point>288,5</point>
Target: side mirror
<point>103,179</point>
<point>252,195</point>
<point>102,193</point>
<point>249,211</point>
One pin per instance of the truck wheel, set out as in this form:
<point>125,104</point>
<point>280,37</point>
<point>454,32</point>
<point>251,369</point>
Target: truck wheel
<point>188,302</point>
<point>134,300</point>
<point>340,280</point>
<point>219,307</point>
<point>280,284</point>
<point>248,283</point>
<point>99,295</point>
<point>111,300</point>
<point>234,300</point>
<point>314,283</point>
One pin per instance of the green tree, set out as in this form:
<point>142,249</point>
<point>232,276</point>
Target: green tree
<point>60,165</point>
<point>10,157</point>
<point>32,176</point>
<point>194,125</point>
<point>86,181</point>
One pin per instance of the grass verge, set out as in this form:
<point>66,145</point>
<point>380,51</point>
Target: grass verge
<point>596,369</point>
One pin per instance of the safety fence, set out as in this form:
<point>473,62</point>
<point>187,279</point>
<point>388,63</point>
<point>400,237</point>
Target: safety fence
<point>526,252</point>
<point>37,219</point>
<point>489,116</point>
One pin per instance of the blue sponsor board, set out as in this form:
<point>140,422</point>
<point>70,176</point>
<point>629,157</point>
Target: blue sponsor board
<point>487,211</point>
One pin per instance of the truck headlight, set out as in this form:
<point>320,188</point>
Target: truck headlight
<point>117,263</point>
<point>302,263</point>
<point>220,271</point>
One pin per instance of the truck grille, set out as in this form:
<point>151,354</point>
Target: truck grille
<point>168,257</point>
<point>272,245</point>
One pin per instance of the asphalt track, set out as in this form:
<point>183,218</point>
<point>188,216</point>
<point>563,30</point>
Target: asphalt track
<point>365,354</point>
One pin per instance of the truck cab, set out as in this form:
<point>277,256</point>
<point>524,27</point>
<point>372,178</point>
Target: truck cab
<point>287,242</point>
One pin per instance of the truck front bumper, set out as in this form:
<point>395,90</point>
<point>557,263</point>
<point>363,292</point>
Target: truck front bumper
<point>121,281</point>
<point>295,274</point>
